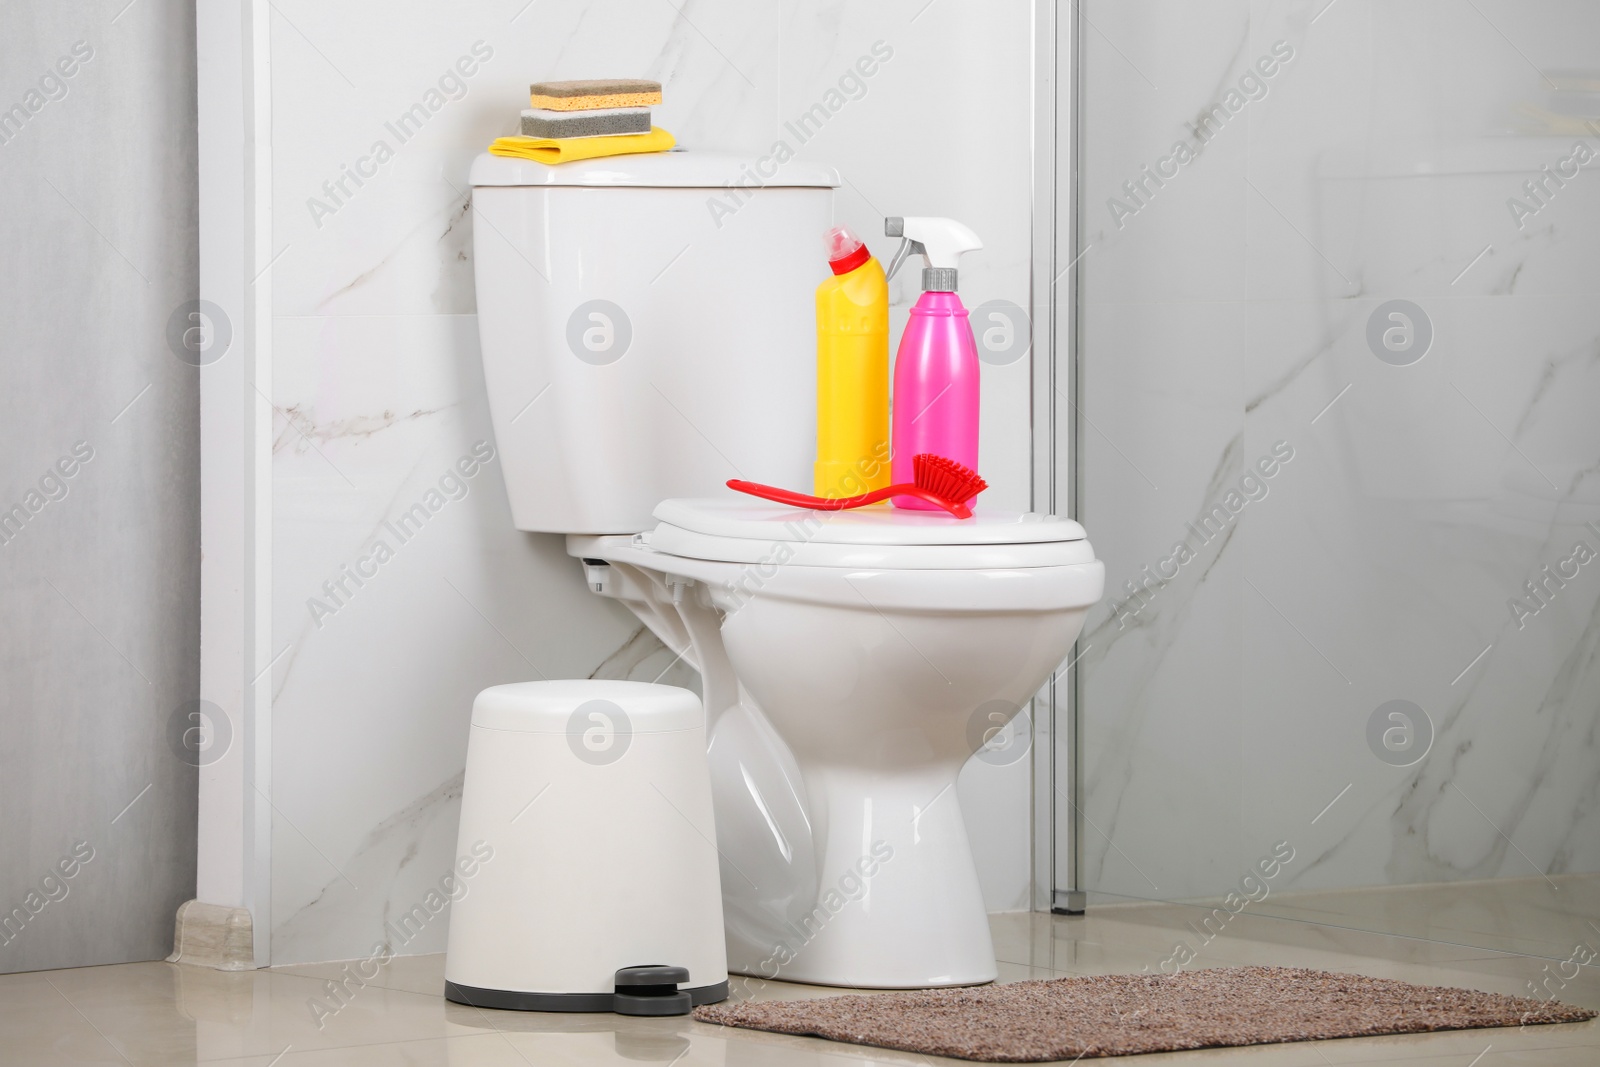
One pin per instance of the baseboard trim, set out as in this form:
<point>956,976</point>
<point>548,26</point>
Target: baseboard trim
<point>213,935</point>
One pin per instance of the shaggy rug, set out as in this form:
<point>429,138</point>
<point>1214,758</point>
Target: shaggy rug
<point>1124,1014</point>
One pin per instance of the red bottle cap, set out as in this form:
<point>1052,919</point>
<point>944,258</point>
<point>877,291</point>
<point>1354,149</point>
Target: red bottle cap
<point>846,251</point>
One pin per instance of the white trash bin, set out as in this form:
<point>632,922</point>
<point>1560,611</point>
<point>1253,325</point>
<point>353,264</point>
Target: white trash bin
<point>587,805</point>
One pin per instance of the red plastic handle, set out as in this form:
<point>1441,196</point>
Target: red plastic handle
<point>820,503</point>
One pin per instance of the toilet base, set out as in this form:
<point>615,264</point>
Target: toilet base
<point>897,902</point>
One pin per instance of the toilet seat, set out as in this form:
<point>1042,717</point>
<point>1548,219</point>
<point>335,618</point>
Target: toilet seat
<point>755,532</point>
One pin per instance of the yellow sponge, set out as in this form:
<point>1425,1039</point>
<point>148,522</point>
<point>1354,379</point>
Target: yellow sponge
<point>594,93</point>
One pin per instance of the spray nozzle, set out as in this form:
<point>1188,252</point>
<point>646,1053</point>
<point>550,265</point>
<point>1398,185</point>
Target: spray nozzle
<point>939,242</point>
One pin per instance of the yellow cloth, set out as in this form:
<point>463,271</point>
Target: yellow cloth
<point>567,149</point>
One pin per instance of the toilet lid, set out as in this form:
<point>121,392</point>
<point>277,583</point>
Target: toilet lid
<point>742,530</point>
<point>660,170</point>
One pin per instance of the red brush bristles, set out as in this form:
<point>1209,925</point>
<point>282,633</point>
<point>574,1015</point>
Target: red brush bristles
<point>946,478</point>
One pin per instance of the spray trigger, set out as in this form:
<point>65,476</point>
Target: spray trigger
<point>940,242</point>
<point>908,247</point>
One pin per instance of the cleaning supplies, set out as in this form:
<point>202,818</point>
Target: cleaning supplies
<point>593,108</point>
<point>936,367</point>
<point>586,120</point>
<point>594,93</point>
<point>938,482</point>
<point>601,122</point>
<point>852,371</point>
<point>567,149</point>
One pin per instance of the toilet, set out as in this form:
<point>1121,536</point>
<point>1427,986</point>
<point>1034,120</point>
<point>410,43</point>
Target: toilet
<point>647,334</point>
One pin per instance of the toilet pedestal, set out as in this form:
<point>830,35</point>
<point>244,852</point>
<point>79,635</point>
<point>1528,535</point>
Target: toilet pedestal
<point>898,902</point>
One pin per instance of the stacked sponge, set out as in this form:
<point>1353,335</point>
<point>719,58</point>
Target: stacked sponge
<point>587,120</point>
<point>597,107</point>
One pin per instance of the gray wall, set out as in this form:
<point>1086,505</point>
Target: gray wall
<point>99,570</point>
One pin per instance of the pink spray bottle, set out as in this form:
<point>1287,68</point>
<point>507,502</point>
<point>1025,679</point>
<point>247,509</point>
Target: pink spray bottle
<point>935,406</point>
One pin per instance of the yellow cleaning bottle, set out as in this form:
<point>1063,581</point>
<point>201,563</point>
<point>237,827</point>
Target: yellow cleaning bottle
<point>852,371</point>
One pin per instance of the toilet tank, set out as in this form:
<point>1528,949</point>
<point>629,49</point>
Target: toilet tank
<point>647,331</point>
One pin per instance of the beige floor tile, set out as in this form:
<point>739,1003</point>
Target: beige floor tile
<point>1540,916</point>
<point>718,1045</point>
<point>1017,972</point>
<point>1282,1055</point>
<point>475,1050</point>
<point>160,1013</point>
<point>157,1013</point>
<point>1462,1044</point>
<point>53,1039</point>
<point>1550,1057</point>
<point>414,974</point>
<point>28,1001</point>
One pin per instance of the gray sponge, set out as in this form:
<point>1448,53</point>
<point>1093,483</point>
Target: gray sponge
<point>604,122</point>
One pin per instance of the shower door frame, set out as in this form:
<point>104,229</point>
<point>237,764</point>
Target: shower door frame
<point>1053,431</point>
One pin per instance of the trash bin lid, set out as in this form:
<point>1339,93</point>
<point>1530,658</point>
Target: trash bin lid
<point>549,707</point>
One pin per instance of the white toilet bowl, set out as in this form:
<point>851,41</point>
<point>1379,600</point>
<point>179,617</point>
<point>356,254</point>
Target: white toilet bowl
<point>853,662</point>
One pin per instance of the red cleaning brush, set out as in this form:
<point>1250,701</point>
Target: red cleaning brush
<point>938,481</point>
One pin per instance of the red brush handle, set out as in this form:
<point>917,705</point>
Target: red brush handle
<point>822,503</point>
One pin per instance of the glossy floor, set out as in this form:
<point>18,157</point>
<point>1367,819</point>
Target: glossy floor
<point>161,1014</point>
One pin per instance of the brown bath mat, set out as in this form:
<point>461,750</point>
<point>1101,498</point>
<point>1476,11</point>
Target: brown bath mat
<point>1123,1014</point>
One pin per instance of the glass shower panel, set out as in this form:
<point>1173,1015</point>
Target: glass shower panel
<point>1338,441</point>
